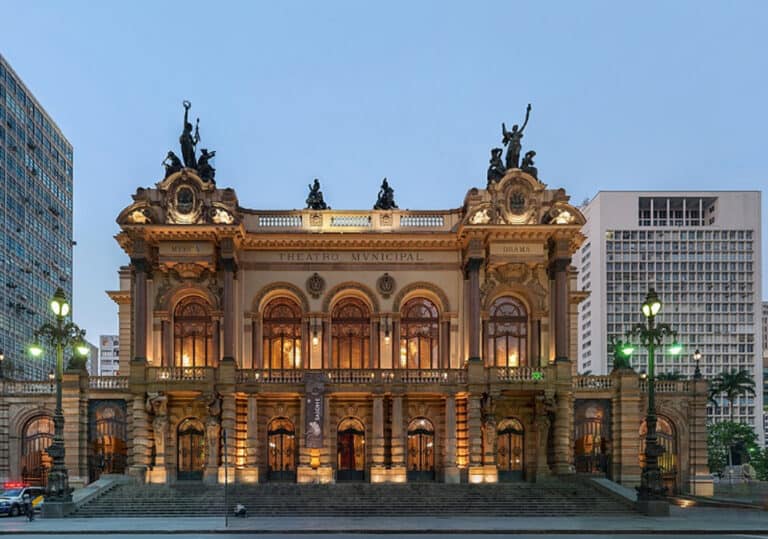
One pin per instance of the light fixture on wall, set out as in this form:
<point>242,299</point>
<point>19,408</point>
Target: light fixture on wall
<point>315,332</point>
<point>387,329</point>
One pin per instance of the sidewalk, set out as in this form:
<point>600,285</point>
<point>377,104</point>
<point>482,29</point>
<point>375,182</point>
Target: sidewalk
<point>694,520</point>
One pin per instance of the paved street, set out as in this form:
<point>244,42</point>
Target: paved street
<point>420,536</point>
<point>693,522</point>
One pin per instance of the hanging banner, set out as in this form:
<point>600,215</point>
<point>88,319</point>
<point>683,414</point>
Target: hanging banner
<point>313,414</point>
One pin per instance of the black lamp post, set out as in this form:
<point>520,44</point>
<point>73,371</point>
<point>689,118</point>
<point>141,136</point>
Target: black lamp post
<point>62,334</point>
<point>2,360</point>
<point>697,370</point>
<point>651,495</point>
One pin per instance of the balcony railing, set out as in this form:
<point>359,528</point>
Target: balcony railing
<point>515,374</point>
<point>593,383</point>
<point>181,374</point>
<point>108,382</point>
<point>266,221</point>
<point>21,387</point>
<point>667,386</point>
<point>356,376</point>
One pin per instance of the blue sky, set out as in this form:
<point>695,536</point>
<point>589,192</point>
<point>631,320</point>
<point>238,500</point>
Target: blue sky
<point>626,95</point>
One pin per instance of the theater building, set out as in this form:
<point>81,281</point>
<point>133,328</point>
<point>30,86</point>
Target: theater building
<point>375,345</point>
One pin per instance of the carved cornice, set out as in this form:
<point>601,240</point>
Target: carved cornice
<point>350,241</point>
<point>121,297</point>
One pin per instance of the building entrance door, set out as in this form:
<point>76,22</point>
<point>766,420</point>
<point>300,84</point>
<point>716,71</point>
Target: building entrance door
<point>511,450</point>
<point>107,434</point>
<point>350,446</point>
<point>282,450</point>
<point>421,450</point>
<point>191,441</point>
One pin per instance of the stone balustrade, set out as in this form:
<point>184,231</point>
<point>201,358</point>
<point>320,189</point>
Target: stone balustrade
<point>26,387</point>
<point>593,383</point>
<point>360,221</point>
<point>180,374</point>
<point>515,374</point>
<point>108,382</point>
<point>668,386</point>
<point>355,376</point>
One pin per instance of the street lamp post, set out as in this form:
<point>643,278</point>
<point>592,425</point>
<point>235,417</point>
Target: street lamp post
<point>651,495</point>
<point>63,334</point>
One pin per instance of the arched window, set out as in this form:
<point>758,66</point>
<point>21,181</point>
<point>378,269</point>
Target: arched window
<point>506,334</point>
<point>419,335</point>
<point>282,335</point>
<point>194,344</point>
<point>35,462</point>
<point>350,335</point>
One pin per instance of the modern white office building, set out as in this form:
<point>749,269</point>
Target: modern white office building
<point>701,252</point>
<point>109,355</point>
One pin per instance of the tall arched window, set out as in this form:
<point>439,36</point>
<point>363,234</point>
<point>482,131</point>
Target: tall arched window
<point>194,344</point>
<point>506,333</point>
<point>281,341</point>
<point>419,335</point>
<point>35,462</point>
<point>350,335</point>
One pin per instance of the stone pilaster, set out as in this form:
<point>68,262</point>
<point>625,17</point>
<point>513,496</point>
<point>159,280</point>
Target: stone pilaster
<point>226,386</point>
<point>563,439</point>
<point>250,472</point>
<point>699,481</point>
<point>75,407</point>
<point>378,472</point>
<point>473,275</point>
<point>626,424</point>
<point>542,423</point>
<point>398,437</point>
<point>558,269</point>
<point>230,268</point>
<point>140,269</point>
<point>451,472</point>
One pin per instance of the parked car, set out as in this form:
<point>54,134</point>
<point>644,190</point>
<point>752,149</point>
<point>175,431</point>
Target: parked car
<point>12,502</point>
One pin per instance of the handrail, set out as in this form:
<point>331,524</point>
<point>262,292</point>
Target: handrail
<point>108,382</point>
<point>593,383</point>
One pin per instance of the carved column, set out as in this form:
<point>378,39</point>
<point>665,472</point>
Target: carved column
<point>563,419</point>
<point>559,271</point>
<point>544,404</point>
<point>473,274</point>
<point>140,268</point>
<point>251,472</point>
<point>167,343</point>
<point>535,359</point>
<point>228,304</point>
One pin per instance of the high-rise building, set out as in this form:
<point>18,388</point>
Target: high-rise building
<point>92,363</point>
<point>35,221</point>
<point>701,252</point>
<point>109,355</point>
<point>765,369</point>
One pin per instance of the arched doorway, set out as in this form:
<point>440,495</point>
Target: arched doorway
<point>350,448</point>
<point>421,450</point>
<point>191,443</point>
<point>510,457</point>
<point>665,437</point>
<point>36,438</point>
<point>592,436</point>
<point>106,439</point>
<point>281,437</point>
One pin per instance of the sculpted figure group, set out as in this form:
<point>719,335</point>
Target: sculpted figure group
<point>188,143</point>
<point>513,141</point>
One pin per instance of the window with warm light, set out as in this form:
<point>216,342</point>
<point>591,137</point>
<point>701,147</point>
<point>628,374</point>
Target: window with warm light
<point>281,335</point>
<point>350,335</point>
<point>506,333</point>
<point>193,334</point>
<point>419,335</point>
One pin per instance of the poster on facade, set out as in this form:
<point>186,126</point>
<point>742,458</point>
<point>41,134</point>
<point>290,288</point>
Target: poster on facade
<point>313,417</point>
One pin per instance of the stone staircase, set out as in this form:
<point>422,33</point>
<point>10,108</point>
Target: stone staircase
<point>550,498</point>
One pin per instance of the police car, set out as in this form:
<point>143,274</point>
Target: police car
<point>12,498</point>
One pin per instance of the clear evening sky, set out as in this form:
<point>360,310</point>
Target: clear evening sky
<point>625,95</point>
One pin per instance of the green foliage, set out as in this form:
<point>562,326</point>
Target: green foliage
<point>759,460</point>
<point>733,383</point>
<point>721,436</point>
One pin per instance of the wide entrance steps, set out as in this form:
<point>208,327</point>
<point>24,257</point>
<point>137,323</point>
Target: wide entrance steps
<point>550,498</point>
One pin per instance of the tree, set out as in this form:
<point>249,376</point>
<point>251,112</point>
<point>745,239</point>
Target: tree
<point>733,383</point>
<point>724,435</point>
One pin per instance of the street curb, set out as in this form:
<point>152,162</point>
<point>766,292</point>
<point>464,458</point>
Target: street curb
<point>414,531</point>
